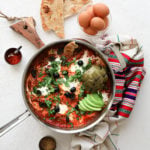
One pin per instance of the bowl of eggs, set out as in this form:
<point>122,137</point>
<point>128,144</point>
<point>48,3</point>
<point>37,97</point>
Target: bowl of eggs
<point>94,19</point>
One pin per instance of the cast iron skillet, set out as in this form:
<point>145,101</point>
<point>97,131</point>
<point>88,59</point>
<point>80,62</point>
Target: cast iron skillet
<point>29,110</point>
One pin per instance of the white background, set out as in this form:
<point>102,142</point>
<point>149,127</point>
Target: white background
<point>129,17</point>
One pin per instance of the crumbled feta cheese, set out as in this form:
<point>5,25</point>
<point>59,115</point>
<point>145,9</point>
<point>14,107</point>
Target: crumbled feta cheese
<point>75,67</point>
<point>71,117</point>
<point>44,90</point>
<point>58,59</point>
<point>71,84</point>
<point>105,96</point>
<point>85,58</point>
<point>63,108</point>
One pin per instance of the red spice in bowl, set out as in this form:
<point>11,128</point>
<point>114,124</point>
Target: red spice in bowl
<point>13,56</point>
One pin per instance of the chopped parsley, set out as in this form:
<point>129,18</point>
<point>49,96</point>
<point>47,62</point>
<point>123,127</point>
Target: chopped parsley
<point>82,88</point>
<point>88,66</point>
<point>65,63</point>
<point>40,74</point>
<point>35,90</point>
<point>46,81</point>
<point>64,60</point>
<point>78,75</point>
<point>69,63</point>
<point>55,64</point>
<point>51,118</point>
<point>51,112</point>
<point>48,103</point>
<point>57,98</point>
<point>71,124</point>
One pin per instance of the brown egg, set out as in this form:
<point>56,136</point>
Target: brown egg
<point>90,11</point>
<point>90,31</point>
<point>97,23</point>
<point>84,19</point>
<point>106,22</point>
<point>100,10</point>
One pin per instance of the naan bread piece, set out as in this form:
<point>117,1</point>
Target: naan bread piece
<point>52,16</point>
<point>72,7</point>
<point>69,48</point>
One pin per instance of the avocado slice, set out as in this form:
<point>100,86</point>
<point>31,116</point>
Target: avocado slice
<point>90,108</point>
<point>82,107</point>
<point>96,99</point>
<point>89,102</point>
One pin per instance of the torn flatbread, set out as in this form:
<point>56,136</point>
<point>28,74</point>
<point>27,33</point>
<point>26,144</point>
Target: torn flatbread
<point>72,7</point>
<point>69,48</point>
<point>52,16</point>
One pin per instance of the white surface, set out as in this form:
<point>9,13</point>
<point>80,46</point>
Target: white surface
<point>128,17</point>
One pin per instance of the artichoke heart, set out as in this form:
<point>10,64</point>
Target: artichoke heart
<point>95,78</point>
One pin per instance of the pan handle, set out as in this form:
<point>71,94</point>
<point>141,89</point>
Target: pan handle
<point>10,125</point>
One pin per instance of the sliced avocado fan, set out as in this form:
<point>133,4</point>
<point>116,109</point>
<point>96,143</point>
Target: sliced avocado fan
<point>92,102</point>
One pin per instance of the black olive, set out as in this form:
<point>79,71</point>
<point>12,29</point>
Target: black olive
<point>67,94</point>
<point>52,58</point>
<point>56,75</point>
<point>67,118</point>
<point>60,51</point>
<point>73,89</point>
<point>33,73</point>
<point>72,96</point>
<point>38,92</point>
<point>42,104</point>
<point>77,107</point>
<point>56,89</point>
<point>56,109</point>
<point>80,62</point>
<point>64,72</point>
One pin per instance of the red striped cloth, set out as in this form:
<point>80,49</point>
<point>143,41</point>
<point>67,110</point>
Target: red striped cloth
<point>128,82</point>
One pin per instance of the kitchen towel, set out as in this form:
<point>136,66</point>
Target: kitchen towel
<point>125,55</point>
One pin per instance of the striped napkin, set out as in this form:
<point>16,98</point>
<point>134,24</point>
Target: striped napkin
<point>125,55</point>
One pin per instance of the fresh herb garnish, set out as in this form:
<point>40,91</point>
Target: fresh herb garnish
<point>82,88</point>
<point>51,118</point>
<point>57,98</point>
<point>88,66</point>
<point>64,60</point>
<point>69,63</point>
<point>65,63</point>
<point>55,64</point>
<point>78,75</point>
<point>46,81</point>
<point>40,74</point>
<point>71,124</point>
<point>48,103</point>
<point>35,90</point>
<point>51,112</point>
<point>66,83</point>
